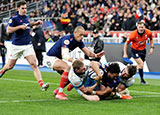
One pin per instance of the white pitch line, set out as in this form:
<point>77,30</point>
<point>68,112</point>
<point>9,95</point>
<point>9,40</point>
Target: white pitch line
<point>18,101</point>
<point>24,80</point>
<point>145,92</point>
<point>140,96</point>
<point>43,100</point>
<point>58,84</point>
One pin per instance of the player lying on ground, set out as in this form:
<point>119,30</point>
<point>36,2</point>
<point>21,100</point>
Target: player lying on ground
<point>126,80</point>
<point>80,71</point>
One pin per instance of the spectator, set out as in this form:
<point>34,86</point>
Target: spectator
<point>38,41</point>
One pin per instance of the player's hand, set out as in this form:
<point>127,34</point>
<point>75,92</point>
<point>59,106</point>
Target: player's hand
<point>99,77</point>
<point>150,51</point>
<point>100,54</point>
<point>23,27</point>
<point>125,56</point>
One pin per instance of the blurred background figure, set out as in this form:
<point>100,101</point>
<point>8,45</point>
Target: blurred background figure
<point>3,36</point>
<point>38,41</point>
<point>97,46</point>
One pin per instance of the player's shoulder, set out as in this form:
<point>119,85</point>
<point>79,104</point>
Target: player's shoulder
<point>74,79</point>
<point>15,16</point>
<point>147,31</point>
<point>133,33</point>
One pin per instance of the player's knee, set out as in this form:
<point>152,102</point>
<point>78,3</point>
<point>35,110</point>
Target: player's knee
<point>67,68</point>
<point>140,66</point>
<point>33,65</point>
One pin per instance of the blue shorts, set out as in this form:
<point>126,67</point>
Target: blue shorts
<point>138,54</point>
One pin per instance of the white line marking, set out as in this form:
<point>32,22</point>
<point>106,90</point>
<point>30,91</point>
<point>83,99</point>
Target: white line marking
<point>25,81</point>
<point>40,100</point>
<point>140,96</point>
<point>18,101</point>
<point>145,92</point>
<point>43,100</point>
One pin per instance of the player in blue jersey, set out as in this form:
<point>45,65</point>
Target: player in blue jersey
<point>21,43</point>
<point>58,56</point>
<point>84,76</point>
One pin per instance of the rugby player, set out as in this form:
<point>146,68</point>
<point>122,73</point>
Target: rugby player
<point>58,57</point>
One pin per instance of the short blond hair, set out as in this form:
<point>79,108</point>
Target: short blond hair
<point>78,28</point>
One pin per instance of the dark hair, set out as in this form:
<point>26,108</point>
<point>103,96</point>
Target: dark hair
<point>77,64</point>
<point>21,3</point>
<point>132,70</point>
<point>113,68</point>
<point>141,22</point>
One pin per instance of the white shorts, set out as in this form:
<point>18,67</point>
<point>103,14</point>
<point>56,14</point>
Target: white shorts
<point>16,51</point>
<point>50,60</point>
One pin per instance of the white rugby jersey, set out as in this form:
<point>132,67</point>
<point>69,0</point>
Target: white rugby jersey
<point>77,81</point>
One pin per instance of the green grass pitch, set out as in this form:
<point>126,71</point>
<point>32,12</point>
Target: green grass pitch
<point>20,94</point>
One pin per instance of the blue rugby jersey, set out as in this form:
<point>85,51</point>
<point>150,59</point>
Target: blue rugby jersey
<point>67,41</point>
<point>20,37</point>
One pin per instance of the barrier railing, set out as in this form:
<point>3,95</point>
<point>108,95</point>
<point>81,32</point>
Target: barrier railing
<point>115,40</point>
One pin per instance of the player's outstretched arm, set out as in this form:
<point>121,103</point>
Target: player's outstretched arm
<point>92,54</point>
<point>91,97</point>
<point>87,97</point>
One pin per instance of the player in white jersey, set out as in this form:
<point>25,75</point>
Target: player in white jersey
<point>78,75</point>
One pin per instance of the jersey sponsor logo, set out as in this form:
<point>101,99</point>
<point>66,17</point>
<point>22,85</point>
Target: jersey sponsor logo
<point>10,21</point>
<point>66,42</point>
<point>146,36</point>
<point>48,63</point>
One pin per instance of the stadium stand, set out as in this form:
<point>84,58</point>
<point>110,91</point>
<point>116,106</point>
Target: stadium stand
<point>103,15</point>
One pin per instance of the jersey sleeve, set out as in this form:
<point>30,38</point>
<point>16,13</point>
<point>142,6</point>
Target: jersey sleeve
<point>65,43</point>
<point>74,79</point>
<point>11,22</point>
<point>82,45</point>
<point>129,82</point>
<point>151,36</point>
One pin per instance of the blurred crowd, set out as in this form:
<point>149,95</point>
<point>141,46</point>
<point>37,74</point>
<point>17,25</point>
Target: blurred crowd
<point>106,15</point>
<point>100,15</point>
<point>6,5</point>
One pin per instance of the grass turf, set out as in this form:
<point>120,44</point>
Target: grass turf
<point>20,94</point>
